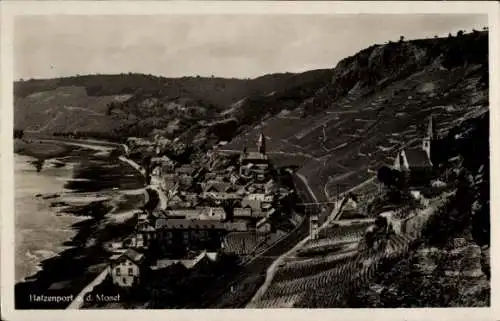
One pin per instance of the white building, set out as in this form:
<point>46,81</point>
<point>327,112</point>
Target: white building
<point>125,268</point>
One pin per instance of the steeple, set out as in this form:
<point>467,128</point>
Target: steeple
<point>430,135</point>
<point>431,129</point>
<point>261,144</point>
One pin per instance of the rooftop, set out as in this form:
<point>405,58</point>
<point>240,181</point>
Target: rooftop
<point>186,169</point>
<point>417,158</point>
<point>186,224</point>
<point>200,213</point>
<point>254,156</point>
<point>131,254</point>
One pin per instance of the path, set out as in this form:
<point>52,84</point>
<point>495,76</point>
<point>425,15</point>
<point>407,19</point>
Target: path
<point>133,164</point>
<point>79,299</point>
<point>90,111</point>
<point>47,124</point>
<point>271,271</point>
<point>306,183</point>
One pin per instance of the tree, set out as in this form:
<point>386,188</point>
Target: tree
<point>460,33</point>
<point>401,38</point>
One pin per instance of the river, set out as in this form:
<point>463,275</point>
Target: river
<point>39,231</point>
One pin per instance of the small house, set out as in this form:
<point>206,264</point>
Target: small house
<point>125,269</point>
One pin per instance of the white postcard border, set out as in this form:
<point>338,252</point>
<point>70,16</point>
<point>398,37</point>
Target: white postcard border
<point>11,9</point>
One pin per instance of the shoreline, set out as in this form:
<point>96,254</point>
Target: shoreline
<point>69,271</point>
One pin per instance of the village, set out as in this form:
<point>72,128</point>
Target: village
<point>222,204</point>
<point>236,205</point>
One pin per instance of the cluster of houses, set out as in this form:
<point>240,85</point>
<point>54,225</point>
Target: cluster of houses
<point>204,202</point>
<point>241,193</point>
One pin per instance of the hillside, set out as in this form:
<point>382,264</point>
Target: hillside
<point>113,106</point>
<point>375,102</point>
<point>338,124</point>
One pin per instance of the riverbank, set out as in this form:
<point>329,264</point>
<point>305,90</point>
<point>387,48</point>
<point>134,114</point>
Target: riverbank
<point>103,220</point>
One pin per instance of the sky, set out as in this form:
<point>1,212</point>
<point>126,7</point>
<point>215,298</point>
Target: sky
<point>239,46</point>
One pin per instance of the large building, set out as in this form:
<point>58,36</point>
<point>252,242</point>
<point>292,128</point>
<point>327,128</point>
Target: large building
<point>181,235</point>
<point>179,231</point>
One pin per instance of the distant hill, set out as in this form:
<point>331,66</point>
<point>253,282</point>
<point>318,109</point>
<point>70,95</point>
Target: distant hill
<point>339,124</point>
<point>132,104</point>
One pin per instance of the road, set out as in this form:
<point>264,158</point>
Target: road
<point>79,299</point>
<point>306,184</point>
<point>162,198</point>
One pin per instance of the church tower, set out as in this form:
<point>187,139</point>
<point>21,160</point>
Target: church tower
<point>261,144</point>
<point>430,135</point>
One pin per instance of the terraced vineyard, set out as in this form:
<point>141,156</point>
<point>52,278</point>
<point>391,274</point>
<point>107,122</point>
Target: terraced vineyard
<point>242,243</point>
<point>351,136</point>
<point>321,281</point>
<point>349,233</point>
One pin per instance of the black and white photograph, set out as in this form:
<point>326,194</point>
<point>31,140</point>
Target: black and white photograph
<point>250,161</point>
